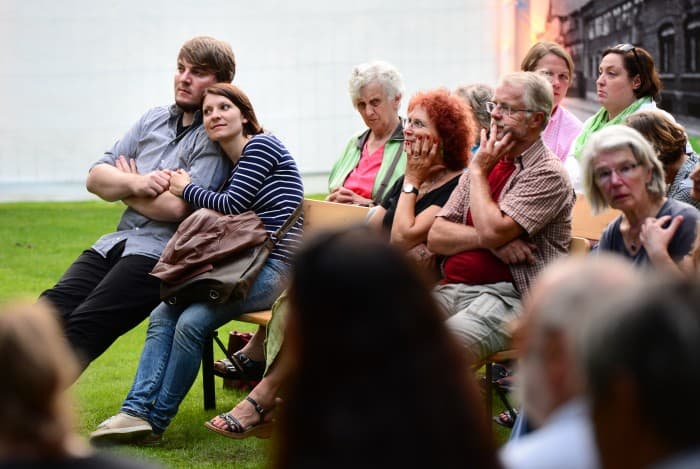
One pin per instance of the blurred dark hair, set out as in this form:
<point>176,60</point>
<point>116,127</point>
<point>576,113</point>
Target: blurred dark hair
<point>379,379</point>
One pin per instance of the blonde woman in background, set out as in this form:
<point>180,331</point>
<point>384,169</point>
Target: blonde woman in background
<point>36,416</point>
<point>553,62</point>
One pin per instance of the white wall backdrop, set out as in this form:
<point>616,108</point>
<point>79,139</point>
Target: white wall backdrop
<point>75,74</point>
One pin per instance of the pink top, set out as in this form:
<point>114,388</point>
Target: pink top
<point>361,179</point>
<point>561,131</point>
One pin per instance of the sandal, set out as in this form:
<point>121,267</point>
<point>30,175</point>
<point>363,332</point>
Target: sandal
<point>506,418</point>
<point>239,367</point>
<point>234,428</point>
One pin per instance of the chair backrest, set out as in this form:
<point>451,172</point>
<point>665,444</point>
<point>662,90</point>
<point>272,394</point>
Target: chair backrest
<point>319,215</point>
<point>586,225</point>
<point>579,246</point>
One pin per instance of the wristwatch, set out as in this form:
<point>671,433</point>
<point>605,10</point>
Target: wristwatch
<point>408,188</point>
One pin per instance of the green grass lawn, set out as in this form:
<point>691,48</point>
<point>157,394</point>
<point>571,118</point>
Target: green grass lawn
<point>695,142</point>
<point>37,242</point>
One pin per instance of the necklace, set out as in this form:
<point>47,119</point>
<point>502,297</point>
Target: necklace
<point>633,240</point>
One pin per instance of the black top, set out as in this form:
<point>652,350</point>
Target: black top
<point>437,197</point>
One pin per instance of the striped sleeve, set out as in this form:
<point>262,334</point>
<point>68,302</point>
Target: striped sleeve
<point>257,162</point>
<point>267,181</point>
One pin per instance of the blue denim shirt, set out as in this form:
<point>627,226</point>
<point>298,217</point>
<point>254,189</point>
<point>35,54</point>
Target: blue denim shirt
<point>154,144</point>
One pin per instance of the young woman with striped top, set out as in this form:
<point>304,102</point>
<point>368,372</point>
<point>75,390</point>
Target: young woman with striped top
<point>265,179</point>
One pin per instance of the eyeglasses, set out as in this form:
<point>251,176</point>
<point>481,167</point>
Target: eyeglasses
<point>629,47</point>
<point>506,110</point>
<point>415,123</point>
<point>604,175</point>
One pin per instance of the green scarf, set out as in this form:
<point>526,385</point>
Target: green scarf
<point>601,119</point>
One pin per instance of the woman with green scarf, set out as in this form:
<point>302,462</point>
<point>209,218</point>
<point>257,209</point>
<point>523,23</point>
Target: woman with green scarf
<point>628,82</point>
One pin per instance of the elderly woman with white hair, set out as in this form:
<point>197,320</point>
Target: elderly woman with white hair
<point>621,170</point>
<point>373,160</point>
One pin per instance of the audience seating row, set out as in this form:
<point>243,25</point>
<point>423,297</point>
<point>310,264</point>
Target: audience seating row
<point>319,215</point>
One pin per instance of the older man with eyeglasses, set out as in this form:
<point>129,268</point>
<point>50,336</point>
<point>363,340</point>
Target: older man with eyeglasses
<point>509,216</point>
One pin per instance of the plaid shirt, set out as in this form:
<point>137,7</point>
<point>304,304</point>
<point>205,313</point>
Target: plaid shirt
<point>539,197</point>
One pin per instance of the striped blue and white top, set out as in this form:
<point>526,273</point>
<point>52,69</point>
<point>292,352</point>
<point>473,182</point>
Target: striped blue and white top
<point>265,180</point>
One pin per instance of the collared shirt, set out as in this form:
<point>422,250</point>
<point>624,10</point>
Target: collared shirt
<point>561,131</point>
<point>564,441</point>
<point>538,197</point>
<point>154,145</point>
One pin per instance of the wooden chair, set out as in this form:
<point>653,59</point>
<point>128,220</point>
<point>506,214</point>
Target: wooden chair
<point>586,225</point>
<point>318,215</point>
<point>323,215</point>
<point>579,246</point>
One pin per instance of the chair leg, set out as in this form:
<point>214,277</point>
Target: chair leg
<point>208,372</point>
<point>221,345</point>
<point>488,377</point>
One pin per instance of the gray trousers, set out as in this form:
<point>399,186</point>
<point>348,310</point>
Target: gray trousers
<point>479,315</point>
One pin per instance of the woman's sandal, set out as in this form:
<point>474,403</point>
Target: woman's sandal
<point>239,366</point>
<point>506,418</point>
<point>234,428</point>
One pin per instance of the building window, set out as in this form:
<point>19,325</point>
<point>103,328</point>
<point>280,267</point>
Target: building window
<point>692,46</point>
<point>666,48</point>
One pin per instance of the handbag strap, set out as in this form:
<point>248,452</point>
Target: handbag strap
<point>382,187</point>
<point>284,229</point>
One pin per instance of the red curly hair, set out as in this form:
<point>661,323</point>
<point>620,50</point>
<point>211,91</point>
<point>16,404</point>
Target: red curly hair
<point>453,122</point>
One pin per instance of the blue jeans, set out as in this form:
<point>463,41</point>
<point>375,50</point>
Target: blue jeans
<point>173,349</point>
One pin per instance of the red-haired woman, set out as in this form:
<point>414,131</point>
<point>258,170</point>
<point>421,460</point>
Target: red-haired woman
<point>438,137</point>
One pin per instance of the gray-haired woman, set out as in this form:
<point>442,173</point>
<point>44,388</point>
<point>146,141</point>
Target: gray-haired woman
<point>621,170</point>
<point>373,160</point>
<point>476,96</point>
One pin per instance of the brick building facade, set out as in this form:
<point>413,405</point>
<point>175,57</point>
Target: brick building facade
<point>669,30</point>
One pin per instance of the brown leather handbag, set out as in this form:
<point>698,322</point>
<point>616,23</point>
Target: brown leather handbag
<point>215,258</point>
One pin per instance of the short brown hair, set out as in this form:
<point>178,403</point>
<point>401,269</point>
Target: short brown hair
<point>666,136</point>
<point>539,50</point>
<point>638,61</point>
<point>210,54</point>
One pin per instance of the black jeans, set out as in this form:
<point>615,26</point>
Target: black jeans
<point>98,299</point>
